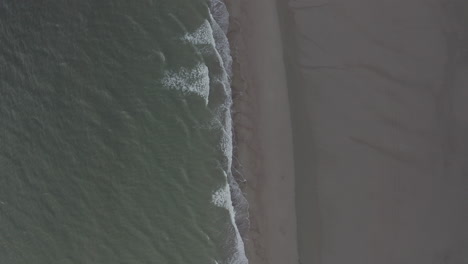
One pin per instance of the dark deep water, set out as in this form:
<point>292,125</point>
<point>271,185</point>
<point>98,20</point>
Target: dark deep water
<point>115,136</point>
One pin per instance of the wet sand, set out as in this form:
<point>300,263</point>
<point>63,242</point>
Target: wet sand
<point>378,94</point>
<point>263,136</point>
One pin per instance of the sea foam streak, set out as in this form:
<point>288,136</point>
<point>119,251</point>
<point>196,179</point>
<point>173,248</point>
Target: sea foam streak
<point>203,35</point>
<point>223,197</point>
<point>196,80</point>
<point>210,38</point>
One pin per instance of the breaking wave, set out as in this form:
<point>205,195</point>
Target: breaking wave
<point>210,39</point>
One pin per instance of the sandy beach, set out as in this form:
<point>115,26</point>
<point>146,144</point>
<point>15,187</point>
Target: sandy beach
<point>378,130</point>
<point>351,128</point>
<point>263,135</point>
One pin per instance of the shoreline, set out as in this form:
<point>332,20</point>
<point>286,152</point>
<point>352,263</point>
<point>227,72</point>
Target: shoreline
<point>263,148</point>
<point>369,167</point>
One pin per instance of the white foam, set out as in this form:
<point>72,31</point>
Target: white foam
<point>203,35</point>
<point>222,45</point>
<point>210,39</point>
<point>220,14</point>
<point>226,143</point>
<point>195,81</point>
<point>213,34</point>
<point>222,198</point>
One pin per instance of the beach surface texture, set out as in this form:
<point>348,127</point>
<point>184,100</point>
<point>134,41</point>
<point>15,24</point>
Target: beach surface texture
<point>351,125</point>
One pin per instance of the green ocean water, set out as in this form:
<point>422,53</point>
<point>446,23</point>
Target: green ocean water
<point>115,141</point>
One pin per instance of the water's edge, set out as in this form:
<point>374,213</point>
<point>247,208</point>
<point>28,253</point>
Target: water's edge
<point>240,213</point>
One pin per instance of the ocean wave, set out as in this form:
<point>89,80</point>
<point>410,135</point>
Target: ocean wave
<point>210,40</point>
<point>203,35</point>
<point>195,80</point>
<point>229,196</point>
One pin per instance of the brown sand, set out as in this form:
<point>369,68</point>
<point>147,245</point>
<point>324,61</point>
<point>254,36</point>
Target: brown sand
<point>378,95</point>
<point>263,131</point>
<point>381,141</point>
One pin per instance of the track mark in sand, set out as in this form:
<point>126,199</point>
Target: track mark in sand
<point>301,4</point>
<point>391,77</point>
<point>395,154</point>
<point>385,74</point>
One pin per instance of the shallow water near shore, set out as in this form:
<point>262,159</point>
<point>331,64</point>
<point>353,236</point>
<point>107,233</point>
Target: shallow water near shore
<point>116,142</point>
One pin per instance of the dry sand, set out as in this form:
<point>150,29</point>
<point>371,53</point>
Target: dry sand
<point>380,130</point>
<point>378,93</point>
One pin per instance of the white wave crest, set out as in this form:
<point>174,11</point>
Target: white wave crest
<point>203,35</point>
<point>220,14</point>
<point>195,81</point>
<point>210,39</point>
<point>222,198</point>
